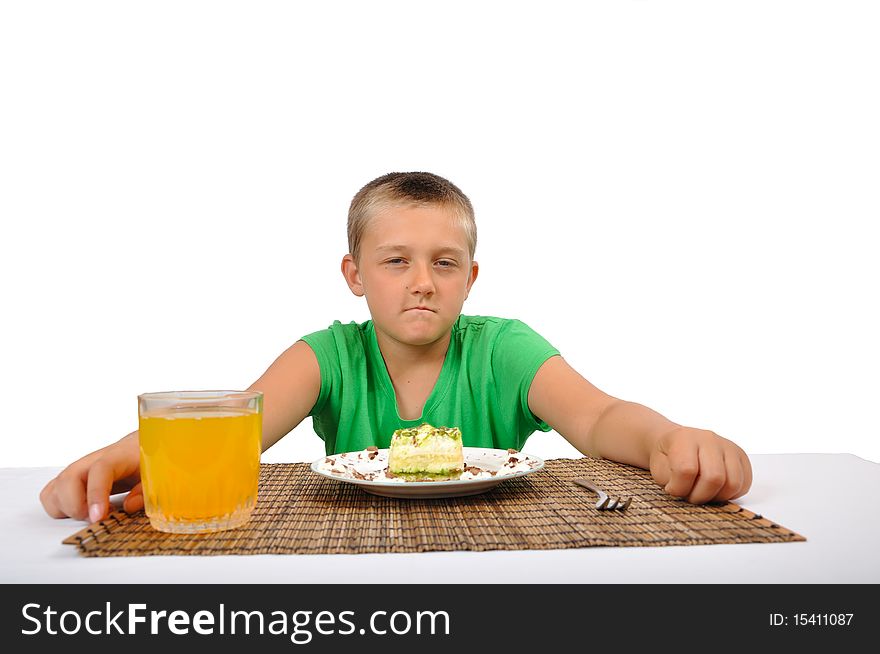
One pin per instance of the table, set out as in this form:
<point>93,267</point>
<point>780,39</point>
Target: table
<point>843,541</point>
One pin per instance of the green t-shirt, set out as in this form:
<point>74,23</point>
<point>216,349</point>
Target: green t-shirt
<point>483,387</point>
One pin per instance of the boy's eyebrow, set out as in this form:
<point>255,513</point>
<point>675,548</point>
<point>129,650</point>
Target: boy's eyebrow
<point>453,249</point>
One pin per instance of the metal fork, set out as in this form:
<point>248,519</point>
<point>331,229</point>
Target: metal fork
<point>605,502</point>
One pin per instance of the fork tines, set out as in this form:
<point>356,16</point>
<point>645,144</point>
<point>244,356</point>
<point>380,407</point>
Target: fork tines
<point>605,503</point>
<point>615,504</point>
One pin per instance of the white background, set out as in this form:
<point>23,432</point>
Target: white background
<point>678,195</point>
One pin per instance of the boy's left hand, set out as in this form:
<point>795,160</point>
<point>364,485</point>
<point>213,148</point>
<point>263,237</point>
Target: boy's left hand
<point>700,466</point>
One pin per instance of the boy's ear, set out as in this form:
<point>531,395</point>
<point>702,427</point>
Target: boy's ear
<point>352,276</point>
<point>475,270</point>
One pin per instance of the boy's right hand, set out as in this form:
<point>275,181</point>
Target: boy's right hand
<point>82,490</point>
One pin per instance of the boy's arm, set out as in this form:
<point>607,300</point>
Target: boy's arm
<point>692,463</point>
<point>290,388</point>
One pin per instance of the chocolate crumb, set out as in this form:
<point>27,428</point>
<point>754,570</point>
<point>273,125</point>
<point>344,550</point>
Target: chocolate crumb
<point>513,459</point>
<point>389,474</point>
<point>473,470</point>
<point>357,475</point>
<point>373,453</point>
<point>512,451</point>
<point>372,448</point>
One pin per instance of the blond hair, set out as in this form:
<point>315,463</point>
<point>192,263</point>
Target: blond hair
<point>408,189</point>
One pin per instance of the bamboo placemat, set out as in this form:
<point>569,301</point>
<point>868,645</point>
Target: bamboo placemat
<point>300,512</point>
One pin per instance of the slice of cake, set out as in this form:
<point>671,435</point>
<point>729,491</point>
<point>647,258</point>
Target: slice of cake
<point>426,452</point>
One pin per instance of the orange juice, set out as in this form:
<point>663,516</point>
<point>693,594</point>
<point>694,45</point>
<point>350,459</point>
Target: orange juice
<point>200,467</point>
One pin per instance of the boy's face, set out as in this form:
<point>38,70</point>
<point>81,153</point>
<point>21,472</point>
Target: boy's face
<point>415,271</point>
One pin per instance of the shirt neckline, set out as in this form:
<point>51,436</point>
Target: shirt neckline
<point>441,386</point>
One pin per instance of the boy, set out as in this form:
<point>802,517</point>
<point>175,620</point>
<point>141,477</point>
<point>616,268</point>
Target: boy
<point>412,238</point>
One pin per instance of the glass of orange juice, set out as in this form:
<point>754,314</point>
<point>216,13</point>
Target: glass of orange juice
<point>200,458</point>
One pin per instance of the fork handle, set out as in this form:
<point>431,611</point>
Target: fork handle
<point>587,484</point>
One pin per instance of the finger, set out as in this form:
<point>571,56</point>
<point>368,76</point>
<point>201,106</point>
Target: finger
<point>684,465</point>
<point>49,501</point>
<point>733,478</point>
<point>746,467</point>
<point>70,493</point>
<point>134,501</point>
<point>100,483</point>
<point>712,475</point>
<point>65,495</point>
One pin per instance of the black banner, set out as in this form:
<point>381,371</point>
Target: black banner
<point>413,617</point>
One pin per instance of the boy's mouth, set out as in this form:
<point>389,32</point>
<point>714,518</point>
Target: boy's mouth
<point>420,309</point>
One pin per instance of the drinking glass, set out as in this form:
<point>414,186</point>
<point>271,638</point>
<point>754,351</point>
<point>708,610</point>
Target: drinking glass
<point>200,458</point>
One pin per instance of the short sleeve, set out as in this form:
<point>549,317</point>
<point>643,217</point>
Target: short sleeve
<point>323,344</point>
<point>518,354</point>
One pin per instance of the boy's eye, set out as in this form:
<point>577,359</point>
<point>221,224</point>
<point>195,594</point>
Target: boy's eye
<point>443,263</point>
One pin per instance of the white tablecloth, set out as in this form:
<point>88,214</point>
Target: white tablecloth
<point>831,499</point>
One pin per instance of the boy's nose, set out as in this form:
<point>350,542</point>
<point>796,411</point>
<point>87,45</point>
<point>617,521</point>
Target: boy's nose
<point>422,280</point>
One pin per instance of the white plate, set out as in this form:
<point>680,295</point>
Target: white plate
<point>342,467</point>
